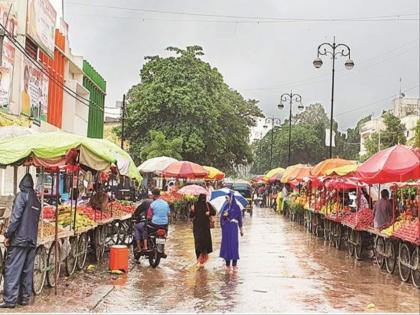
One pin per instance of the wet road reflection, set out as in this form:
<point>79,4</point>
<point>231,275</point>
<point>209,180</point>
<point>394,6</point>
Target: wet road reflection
<point>282,269</point>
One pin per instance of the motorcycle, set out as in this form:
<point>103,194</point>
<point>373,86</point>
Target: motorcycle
<point>156,244</point>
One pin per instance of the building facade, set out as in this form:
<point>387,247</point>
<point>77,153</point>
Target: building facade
<point>407,109</point>
<point>96,85</point>
<point>41,81</point>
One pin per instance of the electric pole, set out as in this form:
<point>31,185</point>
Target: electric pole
<point>122,121</point>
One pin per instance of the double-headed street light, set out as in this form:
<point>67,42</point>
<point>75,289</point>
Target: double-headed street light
<point>291,98</point>
<point>333,50</point>
<point>274,122</point>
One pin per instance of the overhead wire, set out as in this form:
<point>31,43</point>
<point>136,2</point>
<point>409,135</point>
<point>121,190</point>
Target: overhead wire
<point>328,75</point>
<point>374,102</point>
<point>253,18</point>
<point>41,68</point>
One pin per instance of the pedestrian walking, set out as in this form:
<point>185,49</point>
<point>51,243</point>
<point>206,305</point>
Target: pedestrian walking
<point>20,241</point>
<point>231,224</point>
<point>202,214</point>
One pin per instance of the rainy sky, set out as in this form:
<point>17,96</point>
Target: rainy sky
<point>263,48</point>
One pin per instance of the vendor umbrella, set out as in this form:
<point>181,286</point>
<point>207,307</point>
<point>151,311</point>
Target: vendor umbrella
<point>295,172</point>
<point>396,164</point>
<point>194,190</point>
<point>274,173</point>
<point>185,169</point>
<point>218,198</point>
<point>346,170</point>
<point>343,183</point>
<point>323,167</point>
<point>214,173</point>
<point>156,165</point>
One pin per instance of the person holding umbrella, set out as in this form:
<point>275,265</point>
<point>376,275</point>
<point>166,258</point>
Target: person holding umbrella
<point>201,213</point>
<point>231,225</point>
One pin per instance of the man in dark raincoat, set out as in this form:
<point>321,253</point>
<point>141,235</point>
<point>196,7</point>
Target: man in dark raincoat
<point>20,240</point>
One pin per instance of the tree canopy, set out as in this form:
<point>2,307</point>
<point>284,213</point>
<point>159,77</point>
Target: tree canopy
<point>307,142</point>
<point>184,98</point>
<point>393,134</point>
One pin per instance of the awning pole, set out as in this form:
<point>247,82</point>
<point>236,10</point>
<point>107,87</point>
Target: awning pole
<point>56,258</point>
<point>42,202</point>
<point>15,174</point>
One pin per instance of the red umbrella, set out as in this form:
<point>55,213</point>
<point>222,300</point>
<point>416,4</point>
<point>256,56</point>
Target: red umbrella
<point>396,164</point>
<point>342,183</point>
<point>184,169</point>
<point>194,190</point>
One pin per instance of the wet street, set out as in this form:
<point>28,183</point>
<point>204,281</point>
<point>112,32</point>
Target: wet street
<point>282,269</point>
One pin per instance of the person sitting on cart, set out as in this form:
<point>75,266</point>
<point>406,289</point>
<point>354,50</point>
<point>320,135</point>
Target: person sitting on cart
<point>158,213</point>
<point>382,211</point>
<point>140,218</point>
<point>99,201</point>
<point>20,241</point>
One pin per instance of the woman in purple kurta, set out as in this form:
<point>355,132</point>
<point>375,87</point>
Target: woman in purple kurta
<point>231,224</point>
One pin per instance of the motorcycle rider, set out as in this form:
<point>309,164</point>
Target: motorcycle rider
<point>159,213</point>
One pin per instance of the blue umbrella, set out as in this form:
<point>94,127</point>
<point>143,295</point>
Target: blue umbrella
<point>218,198</point>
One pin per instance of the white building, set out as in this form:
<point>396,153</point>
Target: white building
<point>113,113</point>
<point>407,109</point>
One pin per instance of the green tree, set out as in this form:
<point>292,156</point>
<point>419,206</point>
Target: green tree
<point>307,143</point>
<point>393,134</point>
<point>415,141</point>
<point>305,146</point>
<point>184,97</point>
<point>348,145</point>
<point>160,146</point>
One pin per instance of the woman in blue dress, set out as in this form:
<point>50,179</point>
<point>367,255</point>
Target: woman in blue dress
<point>231,224</point>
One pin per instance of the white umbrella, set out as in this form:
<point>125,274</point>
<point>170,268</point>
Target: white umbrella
<point>156,165</point>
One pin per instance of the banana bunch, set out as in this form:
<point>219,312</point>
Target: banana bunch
<point>393,228</point>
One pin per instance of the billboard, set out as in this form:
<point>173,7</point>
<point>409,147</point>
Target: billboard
<point>8,57</point>
<point>34,94</point>
<point>40,25</point>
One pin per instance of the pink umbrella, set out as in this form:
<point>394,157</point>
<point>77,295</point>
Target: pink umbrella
<point>194,190</point>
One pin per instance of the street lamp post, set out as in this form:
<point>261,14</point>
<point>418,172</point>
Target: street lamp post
<point>273,121</point>
<point>334,50</point>
<point>291,97</point>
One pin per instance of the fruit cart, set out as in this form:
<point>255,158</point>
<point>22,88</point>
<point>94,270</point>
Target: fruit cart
<point>357,229</point>
<point>66,233</point>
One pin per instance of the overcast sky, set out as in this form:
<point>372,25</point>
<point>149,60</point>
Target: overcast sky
<point>259,51</point>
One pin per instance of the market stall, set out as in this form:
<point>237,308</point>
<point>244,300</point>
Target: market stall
<point>66,230</point>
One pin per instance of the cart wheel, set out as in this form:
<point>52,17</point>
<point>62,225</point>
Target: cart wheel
<point>350,246</point>
<point>415,272</point>
<point>327,227</point>
<point>391,253</point>
<point>71,259</point>
<point>51,265</point>
<point>404,262</point>
<point>338,234</point>
<point>359,245</point>
<point>379,249</point>
<point>99,243</point>
<point>82,249</point>
<point>40,268</point>
<point>126,232</point>
<point>112,237</point>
